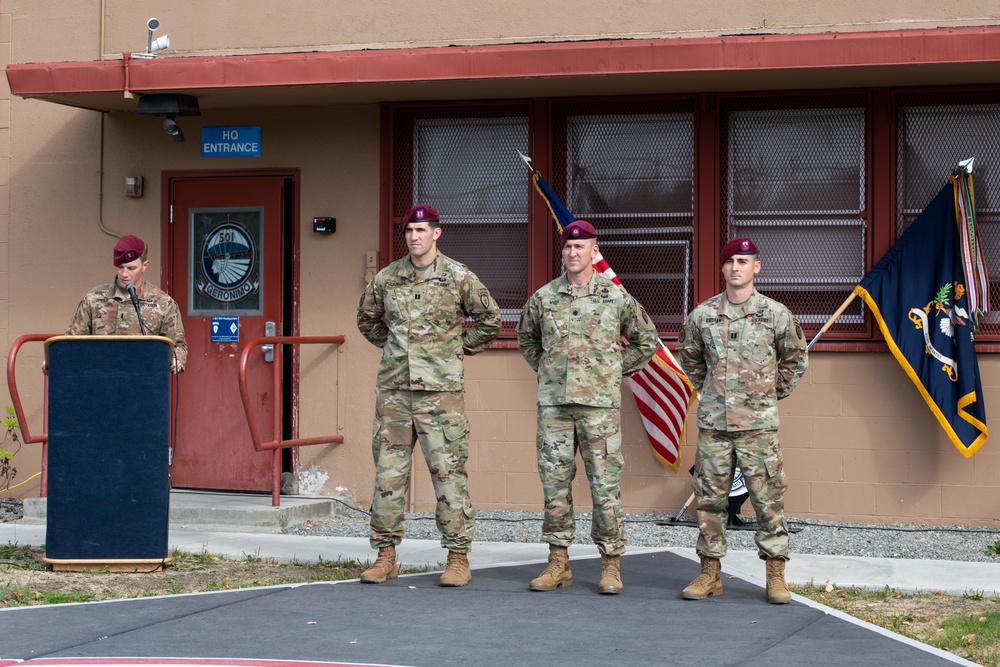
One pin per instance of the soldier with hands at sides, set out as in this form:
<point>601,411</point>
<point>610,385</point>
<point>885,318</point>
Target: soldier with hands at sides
<point>415,309</point>
<point>571,333</point>
<point>743,352</point>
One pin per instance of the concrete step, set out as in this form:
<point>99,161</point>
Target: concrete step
<point>229,512</point>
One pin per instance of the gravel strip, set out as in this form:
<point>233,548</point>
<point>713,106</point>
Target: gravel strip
<point>962,543</point>
<point>10,510</point>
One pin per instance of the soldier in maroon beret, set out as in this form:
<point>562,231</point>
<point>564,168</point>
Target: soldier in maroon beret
<point>743,352</point>
<point>130,306</point>
<point>571,333</point>
<point>415,310</point>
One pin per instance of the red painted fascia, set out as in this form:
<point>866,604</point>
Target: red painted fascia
<point>539,60</point>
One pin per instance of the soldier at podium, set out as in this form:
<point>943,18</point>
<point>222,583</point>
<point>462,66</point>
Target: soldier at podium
<point>130,306</point>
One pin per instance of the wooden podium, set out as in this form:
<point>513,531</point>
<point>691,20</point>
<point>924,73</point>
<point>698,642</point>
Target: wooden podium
<point>108,504</point>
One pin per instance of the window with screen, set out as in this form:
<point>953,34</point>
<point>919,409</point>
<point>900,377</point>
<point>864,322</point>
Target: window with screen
<point>794,181</point>
<point>629,170</point>
<point>790,171</point>
<point>934,132</point>
<point>463,161</point>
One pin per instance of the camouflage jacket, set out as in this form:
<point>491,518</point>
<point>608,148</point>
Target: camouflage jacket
<point>107,310</point>
<point>743,359</point>
<point>572,336</point>
<point>418,323</point>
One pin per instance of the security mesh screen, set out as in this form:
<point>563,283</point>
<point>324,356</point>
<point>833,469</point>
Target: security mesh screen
<point>629,170</point>
<point>933,135</point>
<point>793,180</point>
<point>463,161</point>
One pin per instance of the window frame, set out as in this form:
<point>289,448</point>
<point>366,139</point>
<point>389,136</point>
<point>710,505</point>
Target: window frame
<point>881,120</point>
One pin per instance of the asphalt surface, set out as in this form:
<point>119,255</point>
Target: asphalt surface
<point>495,620</point>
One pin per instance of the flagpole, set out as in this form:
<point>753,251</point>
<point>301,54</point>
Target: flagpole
<point>833,318</point>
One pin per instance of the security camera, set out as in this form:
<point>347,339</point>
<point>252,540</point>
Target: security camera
<point>173,129</point>
<point>153,46</point>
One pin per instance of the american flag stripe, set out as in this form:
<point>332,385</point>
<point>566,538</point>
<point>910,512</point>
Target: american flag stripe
<point>660,432</point>
<point>662,393</point>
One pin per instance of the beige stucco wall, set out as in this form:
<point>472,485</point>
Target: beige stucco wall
<point>303,25</point>
<point>858,441</point>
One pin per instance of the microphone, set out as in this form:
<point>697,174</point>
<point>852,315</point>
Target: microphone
<point>130,286</point>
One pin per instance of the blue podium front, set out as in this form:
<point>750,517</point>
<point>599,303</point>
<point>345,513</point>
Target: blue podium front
<point>108,503</point>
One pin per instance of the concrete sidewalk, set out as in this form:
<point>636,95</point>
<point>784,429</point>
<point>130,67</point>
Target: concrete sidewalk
<point>905,575</point>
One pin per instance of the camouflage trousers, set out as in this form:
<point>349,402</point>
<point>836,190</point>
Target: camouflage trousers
<point>435,419</point>
<point>596,434</point>
<point>758,455</point>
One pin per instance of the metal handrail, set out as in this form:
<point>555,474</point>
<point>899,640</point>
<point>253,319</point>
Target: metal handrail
<point>277,445</point>
<point>15,398</point>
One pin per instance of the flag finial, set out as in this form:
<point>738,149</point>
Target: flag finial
<point>526,160</point>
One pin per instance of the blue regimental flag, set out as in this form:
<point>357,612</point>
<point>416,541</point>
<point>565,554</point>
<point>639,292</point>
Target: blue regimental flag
<point>919,295</point>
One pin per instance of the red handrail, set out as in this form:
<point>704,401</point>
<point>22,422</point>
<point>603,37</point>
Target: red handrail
<point>15,398</point>
<point>277,445</point>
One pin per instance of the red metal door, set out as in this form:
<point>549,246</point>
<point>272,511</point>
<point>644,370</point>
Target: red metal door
<point>227,279</point>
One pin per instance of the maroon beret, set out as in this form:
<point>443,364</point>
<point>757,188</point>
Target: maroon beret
<point>578,229</point>
<point>738,247</point>
<point>421,213</point>
<point>128,248</point>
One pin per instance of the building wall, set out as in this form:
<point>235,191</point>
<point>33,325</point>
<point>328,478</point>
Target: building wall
<point>858,441</point>
<point>255,26</point>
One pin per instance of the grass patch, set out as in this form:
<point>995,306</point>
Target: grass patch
<point>25,579</point>
<point>967,626</point>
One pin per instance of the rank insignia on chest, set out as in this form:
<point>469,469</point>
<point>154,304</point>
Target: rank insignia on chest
<point>416,296</point>
<point>734,335</point>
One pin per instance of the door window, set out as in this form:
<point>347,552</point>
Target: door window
<point>226,255</point>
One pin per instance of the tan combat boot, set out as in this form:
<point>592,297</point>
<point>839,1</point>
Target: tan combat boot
<point>707,583</point>
<point>777,589</point>
<point>456,572</point>
<point>557,573</point>
<point>611,575</point>
<point>383,568</point>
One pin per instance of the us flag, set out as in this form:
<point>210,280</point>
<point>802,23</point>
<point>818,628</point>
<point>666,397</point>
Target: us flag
<point>662,391</point>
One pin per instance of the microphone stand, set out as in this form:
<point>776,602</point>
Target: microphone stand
<point>130,286</point>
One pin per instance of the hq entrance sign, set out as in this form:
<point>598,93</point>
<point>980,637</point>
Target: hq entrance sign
<point>237,141</point>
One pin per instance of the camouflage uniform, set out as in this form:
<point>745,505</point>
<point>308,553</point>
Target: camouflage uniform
<point>572,336</point>
<point>417,320</point>
<point>107,310</point>
<point>743,358</point>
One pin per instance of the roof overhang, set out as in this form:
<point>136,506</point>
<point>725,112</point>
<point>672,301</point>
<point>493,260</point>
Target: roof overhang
<point>550,69</point>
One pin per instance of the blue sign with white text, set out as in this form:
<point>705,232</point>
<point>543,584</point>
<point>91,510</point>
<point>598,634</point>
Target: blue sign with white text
<point>225,329</point>
<point>237,141</point>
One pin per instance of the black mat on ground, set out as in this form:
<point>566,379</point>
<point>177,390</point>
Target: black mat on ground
<point>494,620</point>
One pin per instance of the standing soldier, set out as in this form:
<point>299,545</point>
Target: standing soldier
<point>744,352</point>
<point>114,309</point>
<point>571,334</point>
<point>414,309</point>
